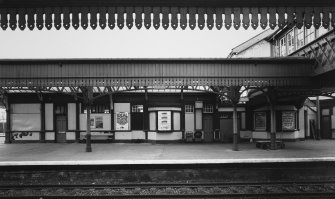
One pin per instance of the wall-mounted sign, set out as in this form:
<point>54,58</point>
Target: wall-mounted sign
<point>199,104</point>
<point>164,120</point>
<point>122,121</point>
<point>288,120</point>
<point>260,121</point>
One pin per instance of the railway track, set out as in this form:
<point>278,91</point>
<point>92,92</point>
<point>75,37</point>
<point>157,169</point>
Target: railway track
<point>305,189</point>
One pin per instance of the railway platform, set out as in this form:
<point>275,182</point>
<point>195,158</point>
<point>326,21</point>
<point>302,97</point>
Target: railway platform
<point>147,153</point>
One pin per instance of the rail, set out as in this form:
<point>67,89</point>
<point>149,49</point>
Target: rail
<point>282,189</point>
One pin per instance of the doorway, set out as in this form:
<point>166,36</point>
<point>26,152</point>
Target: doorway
<point>208,128</point>
<point>226,129</point>
<point>61,128</point>
<point>326,127</point>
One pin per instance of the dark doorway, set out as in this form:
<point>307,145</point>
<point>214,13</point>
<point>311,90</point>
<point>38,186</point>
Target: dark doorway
<point>61,128</point>
<point>226,129</point>
<point>208,128</point>
<point>325,127</point>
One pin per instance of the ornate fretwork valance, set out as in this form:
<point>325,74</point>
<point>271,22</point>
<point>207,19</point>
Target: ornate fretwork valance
<point>170,72</point>
<point>163,17</point>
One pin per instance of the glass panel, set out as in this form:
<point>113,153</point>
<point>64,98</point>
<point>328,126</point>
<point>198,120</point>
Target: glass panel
<point>300,38</point>
<point>283,46</point>
<point>189,109</point>
<point>208,108</point>
<point>290,42</point>
<point>310,34</point>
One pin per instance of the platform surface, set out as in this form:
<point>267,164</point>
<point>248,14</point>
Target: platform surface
<point>147,153</point>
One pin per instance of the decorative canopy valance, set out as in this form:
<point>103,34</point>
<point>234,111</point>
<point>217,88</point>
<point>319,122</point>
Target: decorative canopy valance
<point>147,13</point>
<point>157,72</point>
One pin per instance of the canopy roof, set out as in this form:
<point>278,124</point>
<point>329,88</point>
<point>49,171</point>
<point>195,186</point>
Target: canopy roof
<point>165,13</point>
<point>157,72</point>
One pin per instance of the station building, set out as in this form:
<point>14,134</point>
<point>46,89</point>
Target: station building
<point>292,42</point>
<point>150,113</point>
<point>173,100</point>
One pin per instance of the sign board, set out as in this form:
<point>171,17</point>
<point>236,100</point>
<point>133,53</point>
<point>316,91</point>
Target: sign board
<point>288,120</point>
<point>164,120</point>
<point>260,121</point>
<point>199,104</point>
<point>122,121</point>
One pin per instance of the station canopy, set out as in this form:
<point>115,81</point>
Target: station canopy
<point>31,14</point>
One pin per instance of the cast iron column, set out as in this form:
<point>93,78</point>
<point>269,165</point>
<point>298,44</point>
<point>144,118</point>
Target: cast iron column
<point>42,122</point>
<point>88,99</point>
<point>8,134</point>
<point>273,127</point>
<point>88,128</point>
<point>235,127</point>
<point>318,119</point>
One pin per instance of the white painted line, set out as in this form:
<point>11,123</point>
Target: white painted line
<point>153,162</point>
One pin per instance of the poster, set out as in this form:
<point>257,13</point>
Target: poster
<point>260,121</point>
<point>122,121</point>
<point>288,120</point>
<point>164,120</point>
<point>99,124</point>
<point>92,122</point>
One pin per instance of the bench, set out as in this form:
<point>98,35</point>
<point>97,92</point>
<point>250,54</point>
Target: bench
<point>266,144</point>
<point>108,137</point>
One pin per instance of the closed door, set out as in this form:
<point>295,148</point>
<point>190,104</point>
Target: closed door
<point>325,128</point>
<point>226,130</point>
<point>208,128</point>
<point>61,128</point>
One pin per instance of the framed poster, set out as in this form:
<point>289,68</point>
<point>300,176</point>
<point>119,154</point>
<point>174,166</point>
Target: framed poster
<point>99,123</point>
<point>164,120</point>
<point>122,121</point>
<point>288,120</point>
<point>260,121</point>
<point>92,122</point>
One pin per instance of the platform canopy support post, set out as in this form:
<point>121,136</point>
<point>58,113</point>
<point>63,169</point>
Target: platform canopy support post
<point>273,127</point>
<point>234,95</point>
<point>88,100</point>
<point>272,99</point>
<point>318,118</point>
<point>235,128</point>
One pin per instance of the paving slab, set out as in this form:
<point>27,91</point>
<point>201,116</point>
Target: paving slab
<point>147,153</point>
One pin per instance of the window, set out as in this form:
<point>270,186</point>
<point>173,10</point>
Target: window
<point>290,42</point>
<point>282,47</point>
<point>321,31</point>
<point>189,109</point>
<point>208,108</point>
<point>309,34</point>
<point>276,49</point>
<point>137,117</point>
<point>60,109</point>
<point>300,37</point>
<point>137,108</point>
<point>97,108</point>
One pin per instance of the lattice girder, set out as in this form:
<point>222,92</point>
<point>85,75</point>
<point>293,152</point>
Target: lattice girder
<point>322,50</point>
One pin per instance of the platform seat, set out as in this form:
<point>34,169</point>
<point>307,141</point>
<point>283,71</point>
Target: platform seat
<point>266,144</point>
<point>99,137</point>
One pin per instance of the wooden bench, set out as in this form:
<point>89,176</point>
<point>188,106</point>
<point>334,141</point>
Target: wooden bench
<point>266,144</point>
